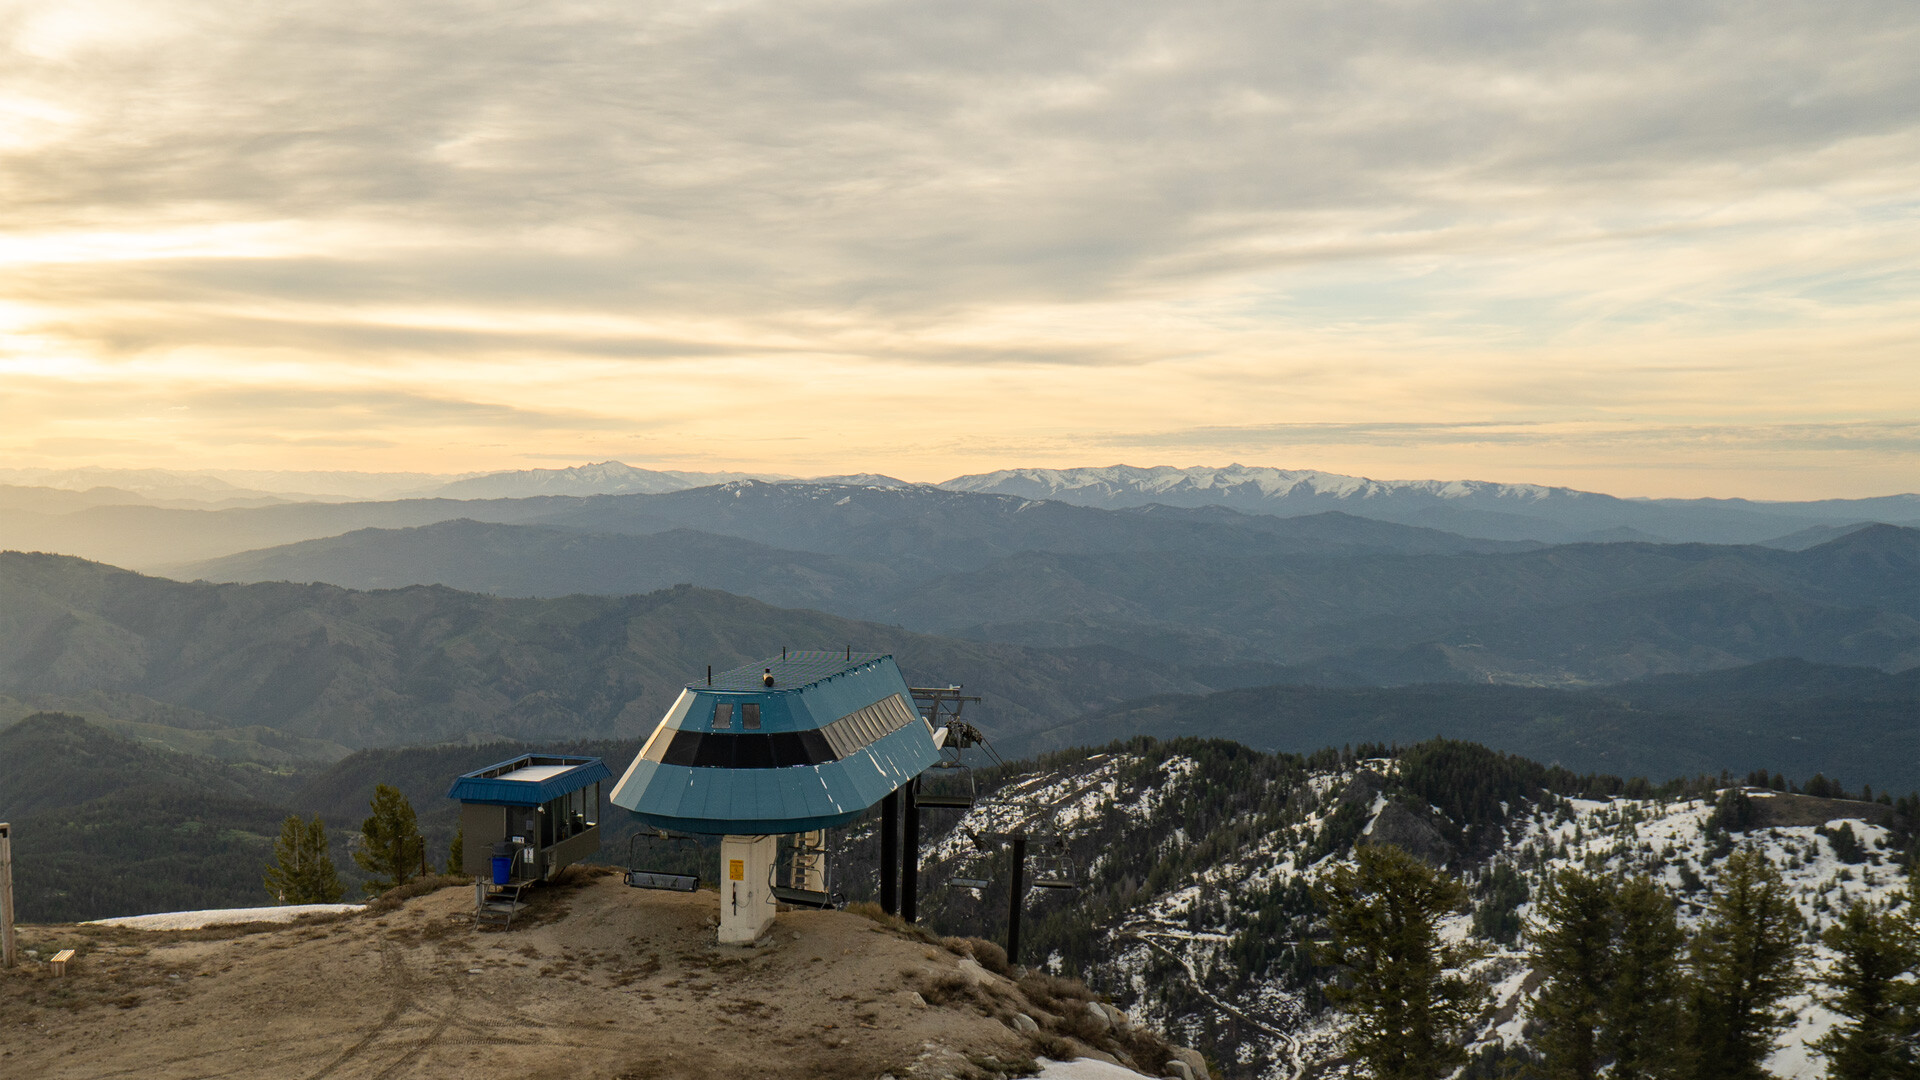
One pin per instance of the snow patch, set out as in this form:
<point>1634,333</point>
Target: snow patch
<point>195,920</point>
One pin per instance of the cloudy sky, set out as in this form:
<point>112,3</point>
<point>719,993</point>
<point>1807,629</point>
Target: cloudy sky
<point>1641,246</point>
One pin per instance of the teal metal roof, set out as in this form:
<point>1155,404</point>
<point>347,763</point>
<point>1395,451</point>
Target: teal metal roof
<point>832,736</point>
<point>543,778</point>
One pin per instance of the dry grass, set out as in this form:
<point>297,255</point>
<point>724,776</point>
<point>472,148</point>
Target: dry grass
<point>985,953</point>
<point>394,898</point>
<point>871,910</point>
<point>1055,993</point>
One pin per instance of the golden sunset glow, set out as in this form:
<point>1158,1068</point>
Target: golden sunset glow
<point>1640,249</point>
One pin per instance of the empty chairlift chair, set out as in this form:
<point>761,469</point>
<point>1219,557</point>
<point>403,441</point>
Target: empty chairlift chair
<point>948,785</point>
<point>975,873</point>
<point>659,859</point>
<point>802,873</point>
<point>1053,867</point>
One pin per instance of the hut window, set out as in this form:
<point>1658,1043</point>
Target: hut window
<point>750,716</point>
<point>723,716</point>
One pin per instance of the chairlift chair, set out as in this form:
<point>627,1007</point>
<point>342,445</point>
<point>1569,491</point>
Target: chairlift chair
<point>972,874</point>
<point>956,777</point>
<point>975,872</point>
<point>1053,867</point>
<point>658,859</point>
<point>808,862</point>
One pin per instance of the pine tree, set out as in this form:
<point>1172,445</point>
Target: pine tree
<point>1641,1027</point>
<point>1410,1016</point>
<point>456,854</point>
<point>1880,1039</point>
<point>391,850</point>
<point>1743,961</point>
<point>302,871</point>
<point>1572,942</point>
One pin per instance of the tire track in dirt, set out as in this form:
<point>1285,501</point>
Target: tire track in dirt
<point>447,1017</point>
<point>390,965</point>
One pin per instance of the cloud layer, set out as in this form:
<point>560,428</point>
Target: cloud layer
<point>787,235</point>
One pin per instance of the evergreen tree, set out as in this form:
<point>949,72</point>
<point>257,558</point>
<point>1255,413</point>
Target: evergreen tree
<point>1572,950</point>
<point>1640,1031</point>
<point>302,871</point>
<point>391,847</point>
<point>1743,961</point>
<point>456,853</point>
<point>1880,1039</point>
<point>1410,1015</point>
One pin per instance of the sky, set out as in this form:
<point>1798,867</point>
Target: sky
<point>1650,248</point>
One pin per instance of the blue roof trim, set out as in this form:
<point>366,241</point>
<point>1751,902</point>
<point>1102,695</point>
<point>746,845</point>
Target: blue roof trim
<point>485,786</point>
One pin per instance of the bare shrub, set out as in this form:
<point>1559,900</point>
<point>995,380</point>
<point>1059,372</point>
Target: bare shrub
<point>984,952</point>
<point>1055,993</point>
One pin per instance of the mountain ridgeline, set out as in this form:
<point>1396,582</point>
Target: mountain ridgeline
<point>1327,598</point>
<point>276,672</point>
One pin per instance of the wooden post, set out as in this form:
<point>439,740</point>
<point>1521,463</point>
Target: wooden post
<point>7,956</point>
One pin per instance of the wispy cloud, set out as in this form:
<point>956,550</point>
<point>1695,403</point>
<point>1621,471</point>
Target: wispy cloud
<point>1371,222</point>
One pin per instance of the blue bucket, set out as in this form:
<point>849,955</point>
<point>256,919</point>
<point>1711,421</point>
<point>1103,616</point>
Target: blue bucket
<point>502,869</point>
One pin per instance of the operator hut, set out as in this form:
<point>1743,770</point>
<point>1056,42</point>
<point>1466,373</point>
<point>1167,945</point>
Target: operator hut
<point>540,810</point>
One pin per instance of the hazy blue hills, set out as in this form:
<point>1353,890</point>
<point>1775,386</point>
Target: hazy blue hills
<point>532,560</point>
<point>1853,724</point>
<point>144,536</point>
<point>953,530</point>
<point>52,760</point>
<point>1333,597</point>
<point>427,664</point>
<point>1586,612</point>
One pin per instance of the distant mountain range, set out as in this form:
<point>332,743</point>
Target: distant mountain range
<point>1326,598</point>
<point>1480,509</point>
<point>1469,507</point>
<point>601,478</point>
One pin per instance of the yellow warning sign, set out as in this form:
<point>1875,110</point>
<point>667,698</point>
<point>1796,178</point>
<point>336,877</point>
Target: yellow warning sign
<point>736,869</point>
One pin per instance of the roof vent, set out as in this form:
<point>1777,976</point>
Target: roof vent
<point>766,679</point>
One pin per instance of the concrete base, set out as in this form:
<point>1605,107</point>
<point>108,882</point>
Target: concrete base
<point>746,894</point>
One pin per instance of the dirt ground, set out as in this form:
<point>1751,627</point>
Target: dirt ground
<point>595,980</point>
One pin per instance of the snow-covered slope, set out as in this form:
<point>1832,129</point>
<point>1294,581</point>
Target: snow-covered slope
<point>1210,954</point>
<point>1496,511</point>
<point>1126,485</point>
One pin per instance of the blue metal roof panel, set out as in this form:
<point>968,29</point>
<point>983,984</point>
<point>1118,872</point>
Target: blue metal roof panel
<point>496,790</point>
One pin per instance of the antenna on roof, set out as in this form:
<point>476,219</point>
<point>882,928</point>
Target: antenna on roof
<point>783,652</point>
<point>709,674</point>
<point>849,654</point>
